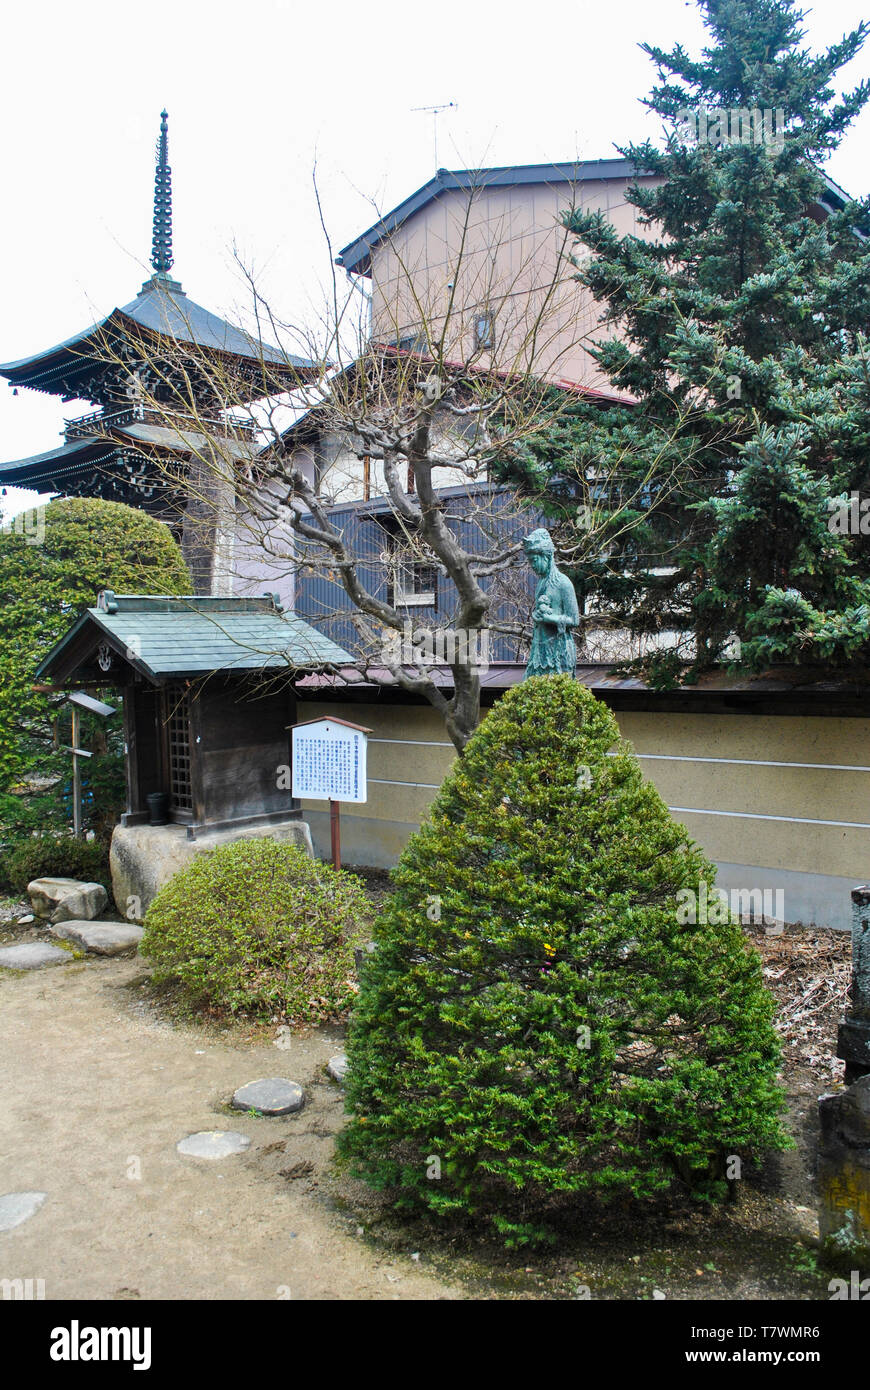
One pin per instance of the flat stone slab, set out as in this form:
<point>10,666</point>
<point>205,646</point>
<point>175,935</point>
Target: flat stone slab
<point>16,1207</point>
<point>100,938</point>
<point>66,899</point>
<point>336,1067</point>
<point>273,1095</point>
<point>33,955</point>
<point>213,1143</point>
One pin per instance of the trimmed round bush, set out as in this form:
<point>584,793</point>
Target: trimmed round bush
<point>541,1017</point>
<point>87,545</point>
<point>258,927</point>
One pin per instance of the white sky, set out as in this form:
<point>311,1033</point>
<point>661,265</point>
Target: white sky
<point>255,93</point>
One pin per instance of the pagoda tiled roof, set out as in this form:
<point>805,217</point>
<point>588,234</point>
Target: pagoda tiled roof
<point>32,472</point>
<point>162,308</point>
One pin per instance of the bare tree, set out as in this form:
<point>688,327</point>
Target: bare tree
<point>419,396</point>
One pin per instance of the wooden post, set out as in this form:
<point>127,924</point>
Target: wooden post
<point>335,829</point>
<point>77,776</point>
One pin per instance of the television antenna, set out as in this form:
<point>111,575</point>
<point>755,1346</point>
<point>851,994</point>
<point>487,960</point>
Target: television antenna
<point>435,112</point>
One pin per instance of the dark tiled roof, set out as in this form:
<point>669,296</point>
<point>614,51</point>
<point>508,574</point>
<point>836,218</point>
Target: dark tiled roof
<point>357,255</point>
<point>64,459</point>
<point>162,307</point>
<point>176,316</point>
<point>501,675</point>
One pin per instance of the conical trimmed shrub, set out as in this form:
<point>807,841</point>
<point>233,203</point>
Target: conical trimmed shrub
<point>538,1017</point>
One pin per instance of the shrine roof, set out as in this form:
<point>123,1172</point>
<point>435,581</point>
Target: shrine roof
<point>162,637</point>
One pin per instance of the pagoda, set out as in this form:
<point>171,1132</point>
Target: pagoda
<point>154,371</point>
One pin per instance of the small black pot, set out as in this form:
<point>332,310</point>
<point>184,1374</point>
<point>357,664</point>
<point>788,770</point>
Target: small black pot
<point>158,808</point>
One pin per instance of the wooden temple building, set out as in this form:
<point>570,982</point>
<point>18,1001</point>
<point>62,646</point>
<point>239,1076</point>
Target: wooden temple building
<point>153,370</point>
<point>208,700</point>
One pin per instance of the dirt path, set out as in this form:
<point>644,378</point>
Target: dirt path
<point>92,1085</point>
<point>98,1084</point>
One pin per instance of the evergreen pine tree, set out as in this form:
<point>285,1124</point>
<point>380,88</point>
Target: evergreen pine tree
<point>790,588</point>
<point>745,307</point>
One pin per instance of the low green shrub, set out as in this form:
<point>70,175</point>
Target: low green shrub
<point>53,856</point>
<point>257,927</point>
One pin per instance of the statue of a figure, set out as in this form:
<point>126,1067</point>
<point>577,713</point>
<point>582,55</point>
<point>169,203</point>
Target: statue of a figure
<point>555,611</point>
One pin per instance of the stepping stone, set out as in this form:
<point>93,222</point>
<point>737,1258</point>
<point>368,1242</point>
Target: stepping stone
<point>213,1143</point>
<point>271,1096</point>
<point>33,955</point>
<point>66,899</point>
<point>100,938</point>
<point>336,1067</point>
<point>16,1207</point>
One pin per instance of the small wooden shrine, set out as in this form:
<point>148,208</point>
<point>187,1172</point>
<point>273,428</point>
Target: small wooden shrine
<point>208,699</point>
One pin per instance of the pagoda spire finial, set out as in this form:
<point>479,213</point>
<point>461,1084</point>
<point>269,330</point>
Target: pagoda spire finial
<point>161,242</point>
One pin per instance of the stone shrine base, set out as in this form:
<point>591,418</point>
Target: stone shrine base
<point>144,857</point>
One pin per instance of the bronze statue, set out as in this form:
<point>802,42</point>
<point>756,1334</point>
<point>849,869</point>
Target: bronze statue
<point>555,611</point>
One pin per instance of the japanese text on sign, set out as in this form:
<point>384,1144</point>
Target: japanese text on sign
<point>329,762</point>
